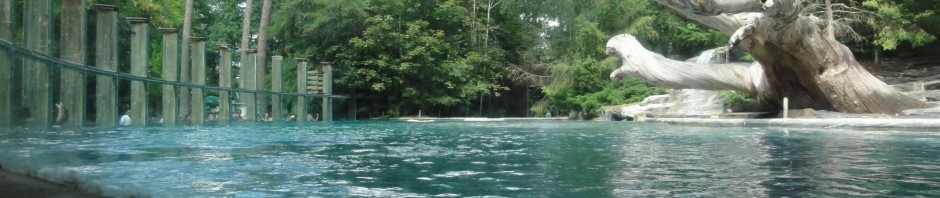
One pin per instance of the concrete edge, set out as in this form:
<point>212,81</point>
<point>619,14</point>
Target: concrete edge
<point>874,123</point>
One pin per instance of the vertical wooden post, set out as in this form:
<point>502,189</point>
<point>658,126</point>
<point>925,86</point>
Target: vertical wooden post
<point>184,93</point>
<point>250,67</point>
<point>328,91</point>
<point>242,62</point>
<point>276,80</point>
<point>301,89</point>
<point>6,65</point>
<point>139,59</point>
<point>36,81</point>
<point>170,69</point>
<point>72,86</point>
<point>106,58</point>
<point>261,99</point>
<point>198,46</point>
<point>225,81</point>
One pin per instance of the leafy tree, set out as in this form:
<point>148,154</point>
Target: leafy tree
<point>901,21</point>
<point>885,23</point>
<point>580,72</point>
<point>407,61</point>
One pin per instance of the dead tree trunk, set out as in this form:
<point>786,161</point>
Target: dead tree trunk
<point>798,60</point>
<point>185,73</point>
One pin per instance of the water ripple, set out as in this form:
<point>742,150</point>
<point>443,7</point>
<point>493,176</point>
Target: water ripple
<point>471,159</point>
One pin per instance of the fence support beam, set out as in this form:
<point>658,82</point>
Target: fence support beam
<point>106,58</point>
<point>301,89</point>
<point>198,47</point>
<point>6,65</point>
<point>328,91</point>
<point>249,67</point>
<point>36,82</point>
<point>170,69</point>
<point>225,81</point>
<point>139,59</point>
<point>276,80</point>
<point>72,85</point>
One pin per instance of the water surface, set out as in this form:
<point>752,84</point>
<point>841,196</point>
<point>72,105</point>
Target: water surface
<point>467,159</point>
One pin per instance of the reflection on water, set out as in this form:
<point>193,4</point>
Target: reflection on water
<point>461,159</point>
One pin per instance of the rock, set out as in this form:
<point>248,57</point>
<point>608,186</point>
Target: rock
<point>909,87</point>
<point>630,111</point>
<point>924,113</point>
<point>678,103</point>
<point>655,99</point>
<point>925,96</point>
<point>932,95</point>
<point>799,113</point>
<point>691,102</point>
<point>746,115</point>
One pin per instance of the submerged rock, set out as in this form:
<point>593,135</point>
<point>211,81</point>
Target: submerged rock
<point>678,103</point>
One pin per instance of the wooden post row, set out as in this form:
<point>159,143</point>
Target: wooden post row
<point>37,91</point>
<point>6,65</point>
<point>276,80</point>
<point>106,58</point>
<point>72,86</point>
<point>139,58</point>
<point>37,88</point>
<point>250,67</point>
<point>225,81</point>
<point>170,69</point>
<point>301,89</point>
<point>328,91</point>
<point>198,46</point>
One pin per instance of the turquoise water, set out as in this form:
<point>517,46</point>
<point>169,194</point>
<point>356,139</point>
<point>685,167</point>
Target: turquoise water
<point>467,159</point>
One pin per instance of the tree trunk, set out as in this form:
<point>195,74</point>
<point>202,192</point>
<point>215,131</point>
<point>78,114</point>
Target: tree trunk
<point>797,60</point>
<point>262,51</point>
<point>246,35</point>
<point>489,9</point>
<point>473,25</point>
<point>660,71</point>
<point>184,59</point>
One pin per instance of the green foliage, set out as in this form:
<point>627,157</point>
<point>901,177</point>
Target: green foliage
<point>901,21</point>
<point>409,53</point>
<point>747,57</point>
<point>581,73</point>
<point>582,85</point>
<point>733,97</point>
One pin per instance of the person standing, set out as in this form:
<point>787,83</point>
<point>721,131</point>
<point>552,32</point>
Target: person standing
<point>61,115</point>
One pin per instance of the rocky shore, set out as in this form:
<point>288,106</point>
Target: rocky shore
<point>17,185</point>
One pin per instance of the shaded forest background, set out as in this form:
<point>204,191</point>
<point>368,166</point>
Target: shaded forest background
<point>463,57</point>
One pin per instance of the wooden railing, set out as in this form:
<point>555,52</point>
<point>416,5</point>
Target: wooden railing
<point>28,74</point>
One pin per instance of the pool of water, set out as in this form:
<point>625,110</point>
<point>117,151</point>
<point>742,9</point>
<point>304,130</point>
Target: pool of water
<point>492,159</point>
